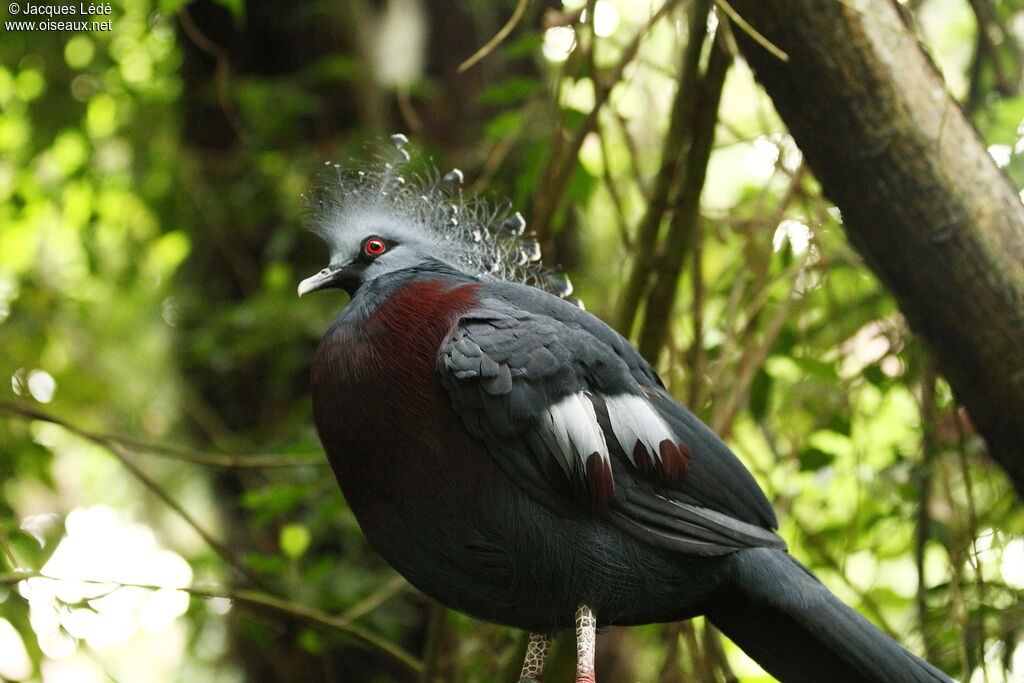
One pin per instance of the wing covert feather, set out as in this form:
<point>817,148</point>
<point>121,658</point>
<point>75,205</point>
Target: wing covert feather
<point>573,413</point>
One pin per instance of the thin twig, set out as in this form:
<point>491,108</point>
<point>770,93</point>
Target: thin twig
<point>375,599</point>
<point>716,655</point>
<point>762,295</point>
<point>499,152</point>
<point>673,148</point>
<point>8,551</point>
<point>957,558</point>
<point>732,338</point>
<point>753,358</point>
<point>693,647</point>
<point>634,156</point>
<point>696,356</point>
<point>405,106</point>
<point>227,460</point>
<point>494,42</point>
<point>256,599</point>
<point>1005,84</point>
<point>923,525</point>
<point>685,222</point>
<point>613,192</point>
<point>122,455</point>
<point>751,31</point>
<point>670,669</point>
<point>563,161</point>
<point>434,638</point>
<point>972,553</point>
<point>222,75</point>
<point>163,450</point>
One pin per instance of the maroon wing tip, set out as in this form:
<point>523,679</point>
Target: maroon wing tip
<point>675,460</point>
<point>599,479</point>
<point>642,459</point>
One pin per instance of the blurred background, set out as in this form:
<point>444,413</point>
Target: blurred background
<point>155,426</point>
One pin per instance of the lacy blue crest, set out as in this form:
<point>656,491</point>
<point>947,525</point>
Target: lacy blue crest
<point>420,204</point>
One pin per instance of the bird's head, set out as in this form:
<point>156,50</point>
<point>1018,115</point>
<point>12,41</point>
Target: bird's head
<point>377,249</point>
<point>383,218</point>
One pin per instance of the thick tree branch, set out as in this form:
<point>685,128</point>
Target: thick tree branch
<point>920,197</point>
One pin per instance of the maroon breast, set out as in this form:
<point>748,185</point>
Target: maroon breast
<point>379,407</point>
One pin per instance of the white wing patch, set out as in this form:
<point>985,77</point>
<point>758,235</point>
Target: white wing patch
<point>572,424</point>
<point>572,432</point>
<point>579,444</point>
<point>633,419</point>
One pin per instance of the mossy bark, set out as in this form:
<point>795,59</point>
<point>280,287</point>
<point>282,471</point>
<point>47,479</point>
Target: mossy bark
<point>920,197</point>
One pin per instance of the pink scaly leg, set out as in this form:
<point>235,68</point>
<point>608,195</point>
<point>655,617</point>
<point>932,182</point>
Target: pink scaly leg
<point>586,642</point>
<point>537,650</point>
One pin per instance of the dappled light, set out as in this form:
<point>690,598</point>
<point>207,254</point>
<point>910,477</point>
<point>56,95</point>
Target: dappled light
<point>166,509</point>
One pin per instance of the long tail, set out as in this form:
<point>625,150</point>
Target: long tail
<point>784,618</point>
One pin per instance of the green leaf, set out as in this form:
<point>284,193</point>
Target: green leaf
<point>168,252</point>
<point>839,423</point>
<point>172,6</point>
<point>236,7</point>
<point>505,123</point>
<point>817,368</point>
<point>509,91</point>
<point>34,551</point>
<point>813,459</point>
<point>760,392</point>
<point>274,501</point>
<point>311,641</point>
<point>874,374</point>
<point>1000,119</point>
<point>337,68</point>
<point>294,540</point>
<point>265,564</point>
<point>525,46</point>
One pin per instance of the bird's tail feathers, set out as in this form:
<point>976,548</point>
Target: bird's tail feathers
<point>784,618</point>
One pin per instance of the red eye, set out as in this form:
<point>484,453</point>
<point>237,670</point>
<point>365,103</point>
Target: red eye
<point>374,246</point>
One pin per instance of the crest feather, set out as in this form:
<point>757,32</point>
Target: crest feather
<point>394,195</point>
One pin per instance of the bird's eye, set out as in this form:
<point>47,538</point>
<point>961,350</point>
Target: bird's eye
<point>374,246</point>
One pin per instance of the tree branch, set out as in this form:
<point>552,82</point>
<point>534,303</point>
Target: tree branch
<point>494,42</point>
<point>122,455</point>
<point>683,228</point>
<point>920,197</point>
<point>924,476</point>
<point>563,161</point>
<point>229,460</point>
<point>673,149</point>
<point>309,615</point>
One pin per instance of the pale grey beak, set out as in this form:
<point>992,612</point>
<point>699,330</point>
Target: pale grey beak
<point>317,281</point>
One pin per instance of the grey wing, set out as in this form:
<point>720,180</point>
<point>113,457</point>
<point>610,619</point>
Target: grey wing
<point>573,422</point>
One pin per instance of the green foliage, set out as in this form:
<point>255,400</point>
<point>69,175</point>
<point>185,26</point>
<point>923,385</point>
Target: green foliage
<point>150,244</point>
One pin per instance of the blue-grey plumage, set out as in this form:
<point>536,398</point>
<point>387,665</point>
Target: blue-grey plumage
<point>517,459</point>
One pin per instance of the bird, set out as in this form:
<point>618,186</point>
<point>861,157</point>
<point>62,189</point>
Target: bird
<point>516,459</point>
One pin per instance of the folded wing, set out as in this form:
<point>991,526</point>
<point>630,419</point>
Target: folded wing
<point>576,417</point>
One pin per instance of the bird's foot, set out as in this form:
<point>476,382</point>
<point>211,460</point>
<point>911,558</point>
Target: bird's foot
<point>537,650</point>
<point>586,643</point>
